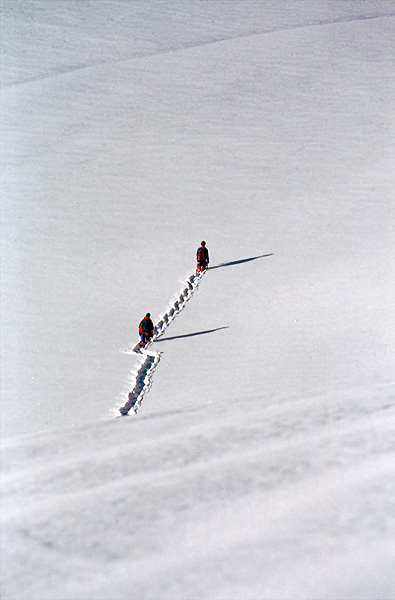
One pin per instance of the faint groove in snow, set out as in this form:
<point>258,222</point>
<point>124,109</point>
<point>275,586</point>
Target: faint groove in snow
<point>196,44</point>
<point>142,378</point>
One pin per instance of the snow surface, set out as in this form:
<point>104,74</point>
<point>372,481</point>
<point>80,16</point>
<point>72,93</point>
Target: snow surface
<point>260,464</point>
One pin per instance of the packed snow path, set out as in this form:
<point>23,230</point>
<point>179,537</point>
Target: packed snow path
<point>143,377</point>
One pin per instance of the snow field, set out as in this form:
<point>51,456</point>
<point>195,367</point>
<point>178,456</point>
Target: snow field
<point>260,463</point>
<point>214,501</point>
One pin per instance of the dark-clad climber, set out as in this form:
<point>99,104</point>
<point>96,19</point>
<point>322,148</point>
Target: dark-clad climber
<point>202,257</point>
<point>146,329</point>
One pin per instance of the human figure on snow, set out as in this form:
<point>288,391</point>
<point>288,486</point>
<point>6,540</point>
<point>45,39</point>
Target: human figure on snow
<point>146,329</point>
<point>202,257</point>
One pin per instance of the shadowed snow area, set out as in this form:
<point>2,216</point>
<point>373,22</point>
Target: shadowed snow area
<point>260,465</point>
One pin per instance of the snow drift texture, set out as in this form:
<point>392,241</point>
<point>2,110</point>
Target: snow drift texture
<point>260,465</point>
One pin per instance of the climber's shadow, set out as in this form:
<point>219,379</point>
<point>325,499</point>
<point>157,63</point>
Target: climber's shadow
<point>238,262</point>
<point>186,335</point>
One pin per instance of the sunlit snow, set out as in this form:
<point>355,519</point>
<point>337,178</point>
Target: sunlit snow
<point>260,463</point>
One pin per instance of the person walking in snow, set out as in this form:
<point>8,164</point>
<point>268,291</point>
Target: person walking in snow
<point>146,329</point>
<point>202,257</point>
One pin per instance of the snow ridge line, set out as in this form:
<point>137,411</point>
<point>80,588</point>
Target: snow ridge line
<point>190,45</point>
<point>143,376</point>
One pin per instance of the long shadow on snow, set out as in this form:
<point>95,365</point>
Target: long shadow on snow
<point>186,335</point>
<point>238,262</point>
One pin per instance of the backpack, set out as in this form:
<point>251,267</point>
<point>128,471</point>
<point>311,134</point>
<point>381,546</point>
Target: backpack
<point>200,254</point>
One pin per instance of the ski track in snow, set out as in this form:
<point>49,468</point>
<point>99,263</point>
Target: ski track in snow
<point>142,378</point>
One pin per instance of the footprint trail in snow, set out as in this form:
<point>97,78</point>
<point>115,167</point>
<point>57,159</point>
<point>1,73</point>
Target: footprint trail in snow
<point>150,359</point>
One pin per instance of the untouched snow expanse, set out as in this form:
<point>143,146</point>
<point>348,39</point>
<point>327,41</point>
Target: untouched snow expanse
<point>260,464</point>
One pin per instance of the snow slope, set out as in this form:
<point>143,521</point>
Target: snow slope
<point>260,465</point>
